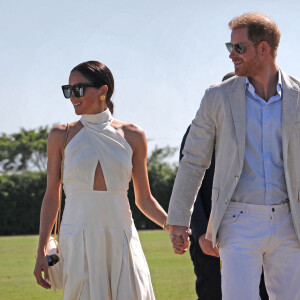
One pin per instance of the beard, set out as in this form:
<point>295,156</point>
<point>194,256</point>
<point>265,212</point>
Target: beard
<point>250,68</point>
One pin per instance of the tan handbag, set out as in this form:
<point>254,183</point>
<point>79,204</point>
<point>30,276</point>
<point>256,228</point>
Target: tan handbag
<point>55,261</point>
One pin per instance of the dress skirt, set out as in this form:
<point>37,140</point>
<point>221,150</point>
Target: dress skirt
<point>101,251</point>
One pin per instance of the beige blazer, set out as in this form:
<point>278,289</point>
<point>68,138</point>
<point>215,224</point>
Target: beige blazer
<point>221,122</point>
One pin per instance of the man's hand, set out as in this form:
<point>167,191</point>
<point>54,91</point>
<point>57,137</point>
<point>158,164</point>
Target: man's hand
<point>179,236</point>
<point>207,247</point>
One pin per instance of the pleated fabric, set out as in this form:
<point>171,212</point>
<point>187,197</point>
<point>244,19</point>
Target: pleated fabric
<point>102,255</point>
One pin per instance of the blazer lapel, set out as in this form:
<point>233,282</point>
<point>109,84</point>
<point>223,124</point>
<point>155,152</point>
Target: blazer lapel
<point>290,98</point>
<point>237,100</point>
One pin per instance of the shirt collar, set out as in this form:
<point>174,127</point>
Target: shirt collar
<point>250,88</point>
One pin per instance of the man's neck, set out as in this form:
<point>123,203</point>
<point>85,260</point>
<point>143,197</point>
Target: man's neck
<point>265,83</point>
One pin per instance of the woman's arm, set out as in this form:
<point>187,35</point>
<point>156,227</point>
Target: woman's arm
<point>143,197</point>
<point>50,203</point>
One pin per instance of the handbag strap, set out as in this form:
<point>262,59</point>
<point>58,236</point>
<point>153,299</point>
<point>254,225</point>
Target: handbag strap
<point>58,217</point>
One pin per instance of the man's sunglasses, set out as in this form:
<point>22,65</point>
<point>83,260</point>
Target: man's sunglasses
<point>78,89</point>
<point>239,47</point>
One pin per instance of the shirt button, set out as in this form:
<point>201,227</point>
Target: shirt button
<point>226,201</point>
<point>236,178</point>
<point>266,125</point>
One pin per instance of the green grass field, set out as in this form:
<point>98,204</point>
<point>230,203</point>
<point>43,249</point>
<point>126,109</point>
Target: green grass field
<point>172,275</point>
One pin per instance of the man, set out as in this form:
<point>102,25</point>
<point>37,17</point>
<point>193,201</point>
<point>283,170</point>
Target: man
<point>253,122</point>
<point>206,261</point>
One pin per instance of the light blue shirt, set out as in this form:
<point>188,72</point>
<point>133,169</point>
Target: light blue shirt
<point>262,180</point>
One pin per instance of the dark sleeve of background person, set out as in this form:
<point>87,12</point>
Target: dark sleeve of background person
<point>202,206</point>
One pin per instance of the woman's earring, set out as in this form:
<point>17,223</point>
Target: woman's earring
<point>102,97</point>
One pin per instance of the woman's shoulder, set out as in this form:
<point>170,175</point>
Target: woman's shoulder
<point>128,128</point>
<point>58,132</point>
<point>132,133</point>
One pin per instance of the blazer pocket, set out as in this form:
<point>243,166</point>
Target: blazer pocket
<point>215,194</point>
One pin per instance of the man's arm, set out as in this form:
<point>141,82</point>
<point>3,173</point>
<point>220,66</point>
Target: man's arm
<point>197,156</point>
<point>199,220</point>
<point>201,212</point>
<point>202,208</point>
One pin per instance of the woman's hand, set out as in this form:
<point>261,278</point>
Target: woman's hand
<point>179,236</point>
<point>41,266</point>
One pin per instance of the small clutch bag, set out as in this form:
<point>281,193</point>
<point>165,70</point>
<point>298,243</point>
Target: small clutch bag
<point>55,269</point>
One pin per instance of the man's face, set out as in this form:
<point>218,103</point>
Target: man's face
<point>247,64</point>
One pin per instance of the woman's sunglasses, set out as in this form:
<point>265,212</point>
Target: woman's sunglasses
<point>78,89</point>
<point>239,47</point>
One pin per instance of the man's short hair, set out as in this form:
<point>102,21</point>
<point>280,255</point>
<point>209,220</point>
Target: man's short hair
<point>260,28</point>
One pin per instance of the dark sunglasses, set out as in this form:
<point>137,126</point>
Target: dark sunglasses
<point>78,89</point>
<point>239,47</point>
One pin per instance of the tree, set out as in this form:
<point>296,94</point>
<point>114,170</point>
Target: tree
<point>26,150</point>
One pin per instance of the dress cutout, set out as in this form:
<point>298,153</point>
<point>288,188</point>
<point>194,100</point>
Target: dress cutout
<point>99,182</point>
<point>101,251</point>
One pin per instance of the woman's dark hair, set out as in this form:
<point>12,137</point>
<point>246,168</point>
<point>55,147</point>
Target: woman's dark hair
<point>98,74</point>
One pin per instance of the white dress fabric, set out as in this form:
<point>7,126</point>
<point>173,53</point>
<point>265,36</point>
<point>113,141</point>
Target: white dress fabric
<point>102,255</point>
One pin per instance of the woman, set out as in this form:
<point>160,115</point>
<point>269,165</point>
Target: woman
<point>99,245</point>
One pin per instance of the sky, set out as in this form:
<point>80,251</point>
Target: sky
<point>163,55</point>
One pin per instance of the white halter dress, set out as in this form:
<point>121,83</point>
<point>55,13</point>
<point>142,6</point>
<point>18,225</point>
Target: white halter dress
<point>102,255</point>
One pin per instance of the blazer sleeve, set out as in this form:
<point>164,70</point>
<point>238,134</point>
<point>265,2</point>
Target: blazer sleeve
<point>197,153</point>
<point>202,206</point>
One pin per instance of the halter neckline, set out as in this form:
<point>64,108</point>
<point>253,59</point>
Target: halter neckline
<point>100,118</point>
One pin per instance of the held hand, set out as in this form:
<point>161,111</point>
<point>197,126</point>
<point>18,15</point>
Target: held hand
<point>179,236</point>
<point>178,244</point>
<point>41,265</point>
<point>167,228</point>
<point>207,246</point>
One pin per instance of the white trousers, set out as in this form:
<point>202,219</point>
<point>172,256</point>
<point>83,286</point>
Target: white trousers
<point>252,236</point>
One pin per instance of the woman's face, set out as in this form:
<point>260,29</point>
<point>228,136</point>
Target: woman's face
<point>90,102</point>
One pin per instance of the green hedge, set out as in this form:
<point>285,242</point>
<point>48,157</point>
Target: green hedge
<point>20,202</point>
<point>21,197</point>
